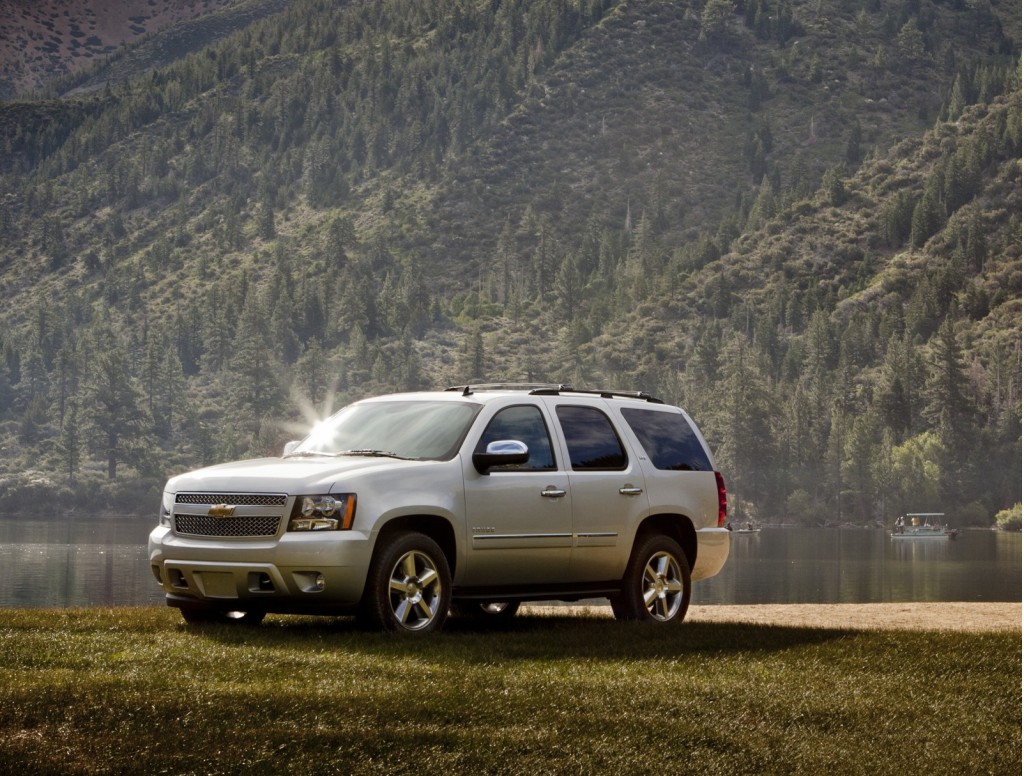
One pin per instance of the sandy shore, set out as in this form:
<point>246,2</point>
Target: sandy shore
<point>968,616</point>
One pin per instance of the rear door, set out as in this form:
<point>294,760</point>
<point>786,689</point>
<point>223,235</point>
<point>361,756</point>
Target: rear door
<point>607,486</point>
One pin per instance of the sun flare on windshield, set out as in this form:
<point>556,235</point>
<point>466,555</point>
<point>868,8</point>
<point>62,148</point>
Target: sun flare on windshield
<point>314,419</point>
<point>320,435</point>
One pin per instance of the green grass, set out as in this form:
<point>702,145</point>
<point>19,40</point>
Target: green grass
<point>135,691</point>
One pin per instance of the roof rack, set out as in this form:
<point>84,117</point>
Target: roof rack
<point>552,389</point>
<point>468,390</point>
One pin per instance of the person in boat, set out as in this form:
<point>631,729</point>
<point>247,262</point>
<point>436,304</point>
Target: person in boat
<point>899,524</point>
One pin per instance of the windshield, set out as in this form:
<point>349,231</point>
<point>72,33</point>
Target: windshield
<point>422,430</point>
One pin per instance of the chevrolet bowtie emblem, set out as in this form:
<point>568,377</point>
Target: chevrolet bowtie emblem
<point>221,510</point>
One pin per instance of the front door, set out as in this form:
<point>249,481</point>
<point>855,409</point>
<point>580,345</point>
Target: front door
<point>519,518</point>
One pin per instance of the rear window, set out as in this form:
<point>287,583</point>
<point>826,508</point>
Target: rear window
<point>668,440</point>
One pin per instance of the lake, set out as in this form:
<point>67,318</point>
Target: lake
<point>101,561</point>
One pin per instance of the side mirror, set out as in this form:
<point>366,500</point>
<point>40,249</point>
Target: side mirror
<point>502,452</point>
<point>289,447</point>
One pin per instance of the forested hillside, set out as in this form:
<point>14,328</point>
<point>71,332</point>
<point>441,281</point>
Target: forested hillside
<point>42,40</point>
<point>800,220</point>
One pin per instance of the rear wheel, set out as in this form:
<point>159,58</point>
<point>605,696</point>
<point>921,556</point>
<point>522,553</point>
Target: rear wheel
<point>409,587</point>
<point>656,586</point>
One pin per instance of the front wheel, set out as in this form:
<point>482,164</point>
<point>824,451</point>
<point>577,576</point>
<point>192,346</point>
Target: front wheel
<point>656,586</point>
<point>409,588</point>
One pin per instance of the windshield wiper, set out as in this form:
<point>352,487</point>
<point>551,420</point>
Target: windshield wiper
<point>374,454</point>
<point>368,453</point>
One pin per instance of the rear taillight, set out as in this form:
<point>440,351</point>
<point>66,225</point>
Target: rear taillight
<point>722,501</point>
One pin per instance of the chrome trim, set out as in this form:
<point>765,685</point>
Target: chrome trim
<point>522,536</point>
<point>235,499</point>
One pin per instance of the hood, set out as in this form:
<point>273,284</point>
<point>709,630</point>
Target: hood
<point>306,476</point>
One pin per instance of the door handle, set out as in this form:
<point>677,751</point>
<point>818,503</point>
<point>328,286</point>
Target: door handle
<point>550,492</point>
<point>629,490</point>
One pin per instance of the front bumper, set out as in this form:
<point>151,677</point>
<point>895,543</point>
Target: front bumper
<point>322,572</point>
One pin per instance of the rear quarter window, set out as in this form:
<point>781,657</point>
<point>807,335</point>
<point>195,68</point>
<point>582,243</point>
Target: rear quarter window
<point>668,440</point>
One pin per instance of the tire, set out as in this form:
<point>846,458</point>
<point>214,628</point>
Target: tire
<point>409,587</point>
<point>202,615</point>
<point>493,611</point>
<point>656,586</point>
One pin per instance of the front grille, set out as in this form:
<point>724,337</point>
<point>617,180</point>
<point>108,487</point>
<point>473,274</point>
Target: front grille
<point>203,525</point>
<point>236,499</point>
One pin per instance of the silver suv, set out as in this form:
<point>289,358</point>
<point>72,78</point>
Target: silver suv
<point>399,509</point>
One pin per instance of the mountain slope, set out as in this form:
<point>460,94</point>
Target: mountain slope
<point>41,41</point>
<point>792,217</point>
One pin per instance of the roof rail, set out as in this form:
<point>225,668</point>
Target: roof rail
<point>552,389</point>
<point>468,390</point>
<point>642,395</point>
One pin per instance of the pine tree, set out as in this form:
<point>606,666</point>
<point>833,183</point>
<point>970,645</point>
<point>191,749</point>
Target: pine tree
<point>69,446</point>
<point>255,388</point>
<point>951,411</point>
<point>473,361</point>
<point>115,421</point>
<point>929,214</point>
<point>743,426</point>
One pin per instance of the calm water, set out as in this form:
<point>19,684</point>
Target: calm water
<point>86,561</point>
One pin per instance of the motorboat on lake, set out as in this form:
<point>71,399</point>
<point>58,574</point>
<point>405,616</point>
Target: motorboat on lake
<point>746,528</point>
<point>923,525</point>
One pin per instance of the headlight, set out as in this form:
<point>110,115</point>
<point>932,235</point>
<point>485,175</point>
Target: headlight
<point>323,513</point>
<point>166,506</point>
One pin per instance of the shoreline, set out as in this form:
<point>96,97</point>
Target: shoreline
<point>980,616</point>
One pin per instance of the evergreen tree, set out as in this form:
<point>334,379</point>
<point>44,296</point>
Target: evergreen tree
<point>473,361</point>
<point>929,214</point>
<point>69,446</point>
<point>115,421</point>
<point>255,386</point>
<point>951,411</point>
<point>899,398</point>
<point>743,425</point>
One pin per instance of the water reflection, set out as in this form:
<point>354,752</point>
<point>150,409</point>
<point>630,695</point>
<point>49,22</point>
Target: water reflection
<point>80,561</point>
<point>865,566</point>
<point>94,561</point>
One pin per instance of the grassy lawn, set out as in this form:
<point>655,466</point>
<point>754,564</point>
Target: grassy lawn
<point>135,691</point>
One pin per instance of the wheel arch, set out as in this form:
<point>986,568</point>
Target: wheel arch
<point>679,527</point>
<point>437,528</point>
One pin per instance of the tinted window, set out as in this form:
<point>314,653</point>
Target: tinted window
<point>526,424</point>
<point>668,440</point>
<point>592,441</point>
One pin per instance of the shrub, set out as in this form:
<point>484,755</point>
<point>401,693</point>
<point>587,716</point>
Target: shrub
<point>1009,519</point>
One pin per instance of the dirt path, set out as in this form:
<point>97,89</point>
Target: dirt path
<point>910,616</point>
<point>967,616</point>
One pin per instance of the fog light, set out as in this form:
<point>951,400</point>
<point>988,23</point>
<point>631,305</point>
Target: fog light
<point>310,581</point>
